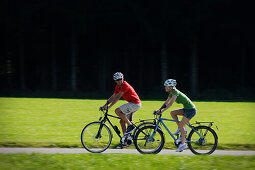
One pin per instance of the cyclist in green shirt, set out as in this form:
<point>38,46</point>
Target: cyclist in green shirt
<point>187,112</point>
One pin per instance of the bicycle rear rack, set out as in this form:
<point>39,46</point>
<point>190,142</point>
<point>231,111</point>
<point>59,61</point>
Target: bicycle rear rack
<point>210,124</point>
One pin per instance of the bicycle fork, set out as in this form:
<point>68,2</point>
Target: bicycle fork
<point>151,139</point>
<point>99,131</point>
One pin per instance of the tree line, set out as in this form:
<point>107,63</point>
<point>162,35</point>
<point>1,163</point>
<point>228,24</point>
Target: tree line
<point>76,45</point>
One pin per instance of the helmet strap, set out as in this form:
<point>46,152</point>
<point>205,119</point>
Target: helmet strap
<point>169,88</point>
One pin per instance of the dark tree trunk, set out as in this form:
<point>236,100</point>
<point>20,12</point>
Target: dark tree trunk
<point>21,62</point>
<point>242,68</point>
<point>194,67</point>
<point>102,73</point>
<point>53,61</point>
<point>163,61</point>
<point>73,63</point>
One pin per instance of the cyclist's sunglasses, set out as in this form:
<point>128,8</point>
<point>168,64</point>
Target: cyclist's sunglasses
<point>118,80</point>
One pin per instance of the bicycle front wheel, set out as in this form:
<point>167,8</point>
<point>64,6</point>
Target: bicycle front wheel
<point>95,137</point>
<point>142,125</point>
<point>204,141</point>
<point>147,141</point>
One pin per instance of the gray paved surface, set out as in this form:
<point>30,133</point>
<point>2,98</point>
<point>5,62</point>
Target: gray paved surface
<point>129,151</point>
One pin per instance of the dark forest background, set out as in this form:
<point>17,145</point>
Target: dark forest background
<point>71,48</point>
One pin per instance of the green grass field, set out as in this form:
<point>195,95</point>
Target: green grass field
<point>123,161</point>
<point>37,122</point>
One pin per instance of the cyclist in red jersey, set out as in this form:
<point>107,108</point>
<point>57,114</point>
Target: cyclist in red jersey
<point>126,111</point>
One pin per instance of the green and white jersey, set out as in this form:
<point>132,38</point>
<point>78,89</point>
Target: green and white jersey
<point>183,99</point>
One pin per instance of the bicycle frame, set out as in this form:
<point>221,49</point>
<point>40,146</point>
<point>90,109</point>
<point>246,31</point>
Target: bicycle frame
<point>108,120</point>
<point>160,120</point>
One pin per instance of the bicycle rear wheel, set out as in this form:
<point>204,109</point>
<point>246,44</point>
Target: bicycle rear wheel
<point>204,144</point>
<point>96,139</point>
<point>145,143</point>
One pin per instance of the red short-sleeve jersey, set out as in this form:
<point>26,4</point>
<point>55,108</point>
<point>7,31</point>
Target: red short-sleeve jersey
<point>129,93</point>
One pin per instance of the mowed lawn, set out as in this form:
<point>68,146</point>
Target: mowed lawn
<point>41,122</point>
<point>123,161</point>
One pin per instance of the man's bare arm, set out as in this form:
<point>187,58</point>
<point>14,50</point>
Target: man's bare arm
<point>109,101</point>
<point>116,98</point>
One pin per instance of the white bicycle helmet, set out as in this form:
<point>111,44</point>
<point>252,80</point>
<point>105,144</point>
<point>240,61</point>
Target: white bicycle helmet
<point>118,75</point>
<point>170,82</point>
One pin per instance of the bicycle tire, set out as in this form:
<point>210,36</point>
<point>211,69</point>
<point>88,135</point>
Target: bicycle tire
<point>142,143</point>
<point>202,146</point>
<point>93,143</point>
<point>141,125</point>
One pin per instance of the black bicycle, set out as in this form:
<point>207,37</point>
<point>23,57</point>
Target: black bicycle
<point>96,136</point>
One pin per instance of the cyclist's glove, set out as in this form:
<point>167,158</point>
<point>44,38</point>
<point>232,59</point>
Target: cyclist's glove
<point>102,108</point>
<point>157,112</point>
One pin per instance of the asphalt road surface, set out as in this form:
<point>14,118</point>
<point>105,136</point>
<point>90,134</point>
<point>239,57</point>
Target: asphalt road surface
<point>116,151</point>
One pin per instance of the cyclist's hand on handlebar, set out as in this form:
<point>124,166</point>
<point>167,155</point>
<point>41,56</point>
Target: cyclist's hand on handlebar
<point>102,108</point>
<point>157,112</point>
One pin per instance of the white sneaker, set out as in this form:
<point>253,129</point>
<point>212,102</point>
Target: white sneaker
<point>182,147</point>
<point>178,131</point>
<point>179,140</point>
<point>124,138</point>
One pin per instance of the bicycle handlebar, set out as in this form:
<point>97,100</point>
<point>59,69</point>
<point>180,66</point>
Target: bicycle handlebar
<point>101,108</point>
<point>156,113</point>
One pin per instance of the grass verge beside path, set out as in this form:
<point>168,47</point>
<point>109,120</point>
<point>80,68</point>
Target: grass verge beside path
<point>40,122</point>
<point>123,161</point>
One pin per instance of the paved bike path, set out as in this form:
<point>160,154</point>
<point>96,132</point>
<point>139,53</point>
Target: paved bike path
<point>117,151</point>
